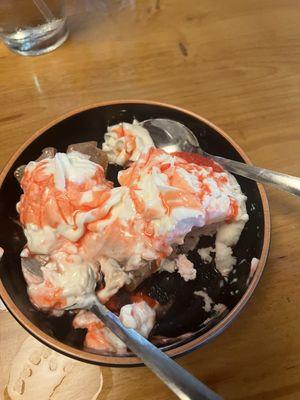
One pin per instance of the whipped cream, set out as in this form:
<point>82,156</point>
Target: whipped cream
<point>98,337</point>
<point>175,196</point>
<point>42,240</point>
<point>229,234</point>
<point>95,235</point>
<point>138,316</point>
<point>115,278</point>
<point>124,142</point>
<point>73,166</point>
<point>185,268</point>
<point>67,282</point>
<point>205,252</point>
<point>182,265</point>
<point>161,198</point>
<point>60,196</point>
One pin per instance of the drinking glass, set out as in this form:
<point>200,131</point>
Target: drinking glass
<point>33,27</point>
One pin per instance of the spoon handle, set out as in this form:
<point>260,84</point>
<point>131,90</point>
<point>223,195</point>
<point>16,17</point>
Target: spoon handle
<point>181,382</point>
<point>281,181</point>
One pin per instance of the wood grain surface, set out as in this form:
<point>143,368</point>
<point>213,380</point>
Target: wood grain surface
<point>235,63</point>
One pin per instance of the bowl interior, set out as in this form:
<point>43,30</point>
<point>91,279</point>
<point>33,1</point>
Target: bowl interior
<point>185,320</point>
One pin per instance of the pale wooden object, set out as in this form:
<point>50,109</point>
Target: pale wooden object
<point>49,374</point>
<point>235,63</point>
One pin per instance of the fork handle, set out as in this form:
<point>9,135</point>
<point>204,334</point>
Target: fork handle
<point>181,382</point>
<point>285,182</point>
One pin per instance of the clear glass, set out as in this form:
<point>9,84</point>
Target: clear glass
<point>33,27</point>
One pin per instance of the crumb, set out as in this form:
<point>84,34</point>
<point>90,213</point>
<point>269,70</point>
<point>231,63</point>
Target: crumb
<point>185,268</point>
<point>180,264</point>
<point>168,265</point>
<point>204,253</point>
<point>219,308</point>
<point>207,300</point>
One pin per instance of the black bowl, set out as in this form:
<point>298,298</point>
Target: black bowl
<point>186,325</point>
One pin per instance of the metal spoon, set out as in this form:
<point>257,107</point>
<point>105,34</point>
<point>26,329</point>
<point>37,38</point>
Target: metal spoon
<point>181,382</point>
<point>173,136</point>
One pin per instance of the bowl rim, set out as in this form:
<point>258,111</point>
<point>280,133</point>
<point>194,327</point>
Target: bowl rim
<point>187,346</point>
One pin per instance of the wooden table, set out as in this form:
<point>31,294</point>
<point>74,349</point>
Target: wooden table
<point>235,63</point>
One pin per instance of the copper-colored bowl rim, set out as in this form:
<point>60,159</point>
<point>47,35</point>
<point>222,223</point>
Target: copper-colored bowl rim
<point>181,349</point>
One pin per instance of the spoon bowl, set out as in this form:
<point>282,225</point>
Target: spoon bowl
<point>171,136</point>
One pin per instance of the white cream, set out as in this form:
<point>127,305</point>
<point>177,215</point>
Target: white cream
<point>191,179</point>
<point>70,273</point>
<point>168,265</point>
<point>185,268</point>
<point>152,183</point>
<point>124,142</point>
<point>180,264</point>
<point>228,234</point>
<point>103,339</point>
<point>114,276</point>
<point>149,192</point>
<point>204,253</point>
<point>41,240</point>
<point>44,240</point>
<point>160,201</point>
<point>74,167</point>
<point>183,220</point>
<point>138,316</point>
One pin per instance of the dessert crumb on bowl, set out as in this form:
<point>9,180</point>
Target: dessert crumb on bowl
<point>169,242</point>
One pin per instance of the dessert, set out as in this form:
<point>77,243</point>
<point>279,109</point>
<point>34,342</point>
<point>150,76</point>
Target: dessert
<point>85,235</point>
